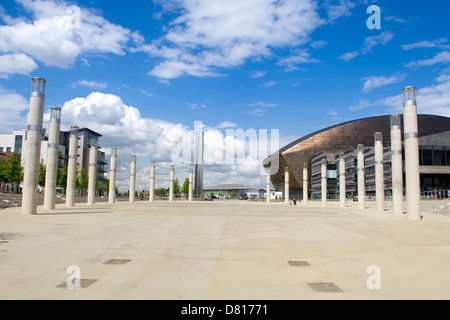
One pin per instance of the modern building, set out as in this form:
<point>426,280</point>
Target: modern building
<point>226,189</point>
<point>16,142</point>
<point>329,142</point>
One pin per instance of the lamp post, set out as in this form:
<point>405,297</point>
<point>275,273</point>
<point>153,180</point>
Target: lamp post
<point>397,165</point>
<point>92,171</point>
<point>52,159</point>
<point>379,171</point>
<point>112,176</point>
<point>33,153</point>
<point>411,139</point>
<point>72,166</point>
<point>361,177</point>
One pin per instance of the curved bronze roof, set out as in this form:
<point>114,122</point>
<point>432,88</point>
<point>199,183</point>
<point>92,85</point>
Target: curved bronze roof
<point>342,137</point>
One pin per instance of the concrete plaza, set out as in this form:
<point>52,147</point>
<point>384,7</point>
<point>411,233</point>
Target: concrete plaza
<point>217,250</point>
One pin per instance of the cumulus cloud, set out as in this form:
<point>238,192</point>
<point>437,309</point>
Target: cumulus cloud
<point>434,99</point>
<point>208,35</point>
<point>16,63</point>
<point>124,127</point>
<point>55,38</point>
<point>12,107</point>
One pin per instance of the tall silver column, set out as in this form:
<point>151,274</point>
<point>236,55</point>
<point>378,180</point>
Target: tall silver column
<point>361,177</point>
<point>133,179</point>
<point>112,176</point>
<point>152,181</point>
<point>171,179</point>
<point>324,181</point>
<point>33,153</point>
<point>305,183</point>
<point>411,138</point>
<point>72,167</point>
<point>379,171</point>
<point>286,185</point>
<point>52,159</point>
<point>92,172</point>
<point>198,145</point>
<point>342,186</point>
<point>191,182</point>
<point>268,188</point>
<point>397,165</point>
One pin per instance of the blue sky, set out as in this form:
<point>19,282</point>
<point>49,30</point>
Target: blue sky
<point>141,72</point>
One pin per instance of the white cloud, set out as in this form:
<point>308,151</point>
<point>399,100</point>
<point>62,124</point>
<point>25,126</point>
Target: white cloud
<point>269,84</point>
<point>89,84</point>
<point>227,124</point>
<point>349,56</point>
<point>208,35</point>
<point>343,9</point>
<point>381,39</point>
<point>441,57</point>
<point>257,74</point>
<point>439,43</point>
<point>123,126</point>
<point>17,63</point>
<point>434,99</point>
<point>196,106</point>
<point>54,39</point>
<point>12,107</point>
<point>362,104</point>
<point>297,57</point>
<point>369,43</point>
<point>374,82</point>
<point>319,44</point>
<point>332,112</point>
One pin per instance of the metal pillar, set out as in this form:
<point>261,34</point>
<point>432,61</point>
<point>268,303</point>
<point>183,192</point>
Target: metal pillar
<point>33,153</point>
<point>152,182</point>
<point>411,139</point>
<point>132,179</point>
<point>361,177</point>
<point>324,181</point>
<point>112,176</point>
<point>379,171</point>
<point>342,186</point>
<point>199,146</point>
<point>191,182</point>
<point>92,172</point>
<point>52,159</point>
<point>172,174</point>
<point>397,165</point>
<point>268,189</point>
<point>305,183</point>
<point>286,185</point>
<point>72,167</point>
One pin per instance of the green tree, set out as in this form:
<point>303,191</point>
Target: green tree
<point>42,173</point>
<point>185,189</point>
<point>61,180</point>
<point>13,170</point>
<point>83,181</point>
<point>176,187</point>
<point>233,194</point>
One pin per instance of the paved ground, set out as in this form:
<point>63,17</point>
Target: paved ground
<point>223,250</point>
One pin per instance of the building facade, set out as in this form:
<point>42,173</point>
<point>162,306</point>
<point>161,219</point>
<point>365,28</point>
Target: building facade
<point>344,138</point>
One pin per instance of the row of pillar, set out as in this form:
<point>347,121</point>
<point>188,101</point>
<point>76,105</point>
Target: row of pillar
<point>112,182</point>
<point>411,166</point>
